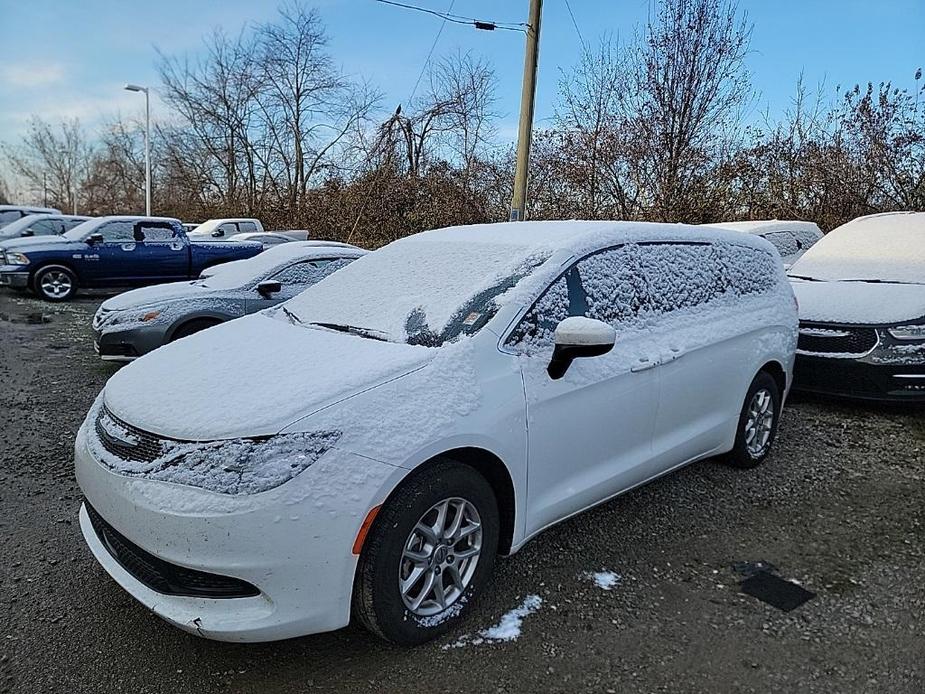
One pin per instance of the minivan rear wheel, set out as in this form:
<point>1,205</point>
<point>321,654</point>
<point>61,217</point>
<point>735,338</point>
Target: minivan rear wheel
<point>428,554</point>
<point>757,422</point>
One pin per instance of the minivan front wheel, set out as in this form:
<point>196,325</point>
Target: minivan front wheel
<point>429,552</point>
<point>757,422</point>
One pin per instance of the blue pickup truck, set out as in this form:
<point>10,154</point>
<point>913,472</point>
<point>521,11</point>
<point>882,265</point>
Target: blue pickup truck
<point>112,252</point>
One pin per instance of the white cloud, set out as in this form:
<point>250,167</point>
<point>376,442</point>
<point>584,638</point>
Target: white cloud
<point>31,74</point>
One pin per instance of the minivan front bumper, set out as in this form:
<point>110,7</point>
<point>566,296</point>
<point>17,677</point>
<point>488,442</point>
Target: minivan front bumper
<point>292,544</point>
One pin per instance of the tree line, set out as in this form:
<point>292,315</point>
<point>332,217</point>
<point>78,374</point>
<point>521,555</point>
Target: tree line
<point>660,127</point>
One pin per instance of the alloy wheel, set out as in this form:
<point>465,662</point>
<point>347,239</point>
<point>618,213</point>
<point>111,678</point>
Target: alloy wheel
<point>440,557</point>
<point>56,284</point>
<point>759,423</point>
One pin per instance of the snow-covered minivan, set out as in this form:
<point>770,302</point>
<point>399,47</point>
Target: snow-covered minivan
<point>377,460</point>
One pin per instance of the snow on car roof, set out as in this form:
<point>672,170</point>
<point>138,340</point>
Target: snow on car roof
<point>240,273</point>
<point>889,247</point>
<point>81,230</point>
<point>435,272</point>
<point>765,226</point>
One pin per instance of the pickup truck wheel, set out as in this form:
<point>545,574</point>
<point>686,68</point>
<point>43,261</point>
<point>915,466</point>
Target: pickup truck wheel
<point>55,283</point>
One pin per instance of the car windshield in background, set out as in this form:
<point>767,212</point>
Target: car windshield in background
<point>886,248</point>
<point>417,291</point>
<point>81,230</point>
<point>14,229</point>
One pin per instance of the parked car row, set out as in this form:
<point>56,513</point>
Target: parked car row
<point>375,466</point>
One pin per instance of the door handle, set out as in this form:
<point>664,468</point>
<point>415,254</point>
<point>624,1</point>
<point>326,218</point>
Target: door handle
<point>643,364</point>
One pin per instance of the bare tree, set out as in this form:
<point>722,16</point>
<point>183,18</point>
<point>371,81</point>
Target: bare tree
<point>52,158</point>
<point>688,84</point>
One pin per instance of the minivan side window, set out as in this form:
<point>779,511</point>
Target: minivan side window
<point>535,330</point>
<point>637,284</point>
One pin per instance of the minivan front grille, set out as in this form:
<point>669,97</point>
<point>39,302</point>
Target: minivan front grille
<point>826,338</point>
<point>126,441</point>
<point>163,576</point>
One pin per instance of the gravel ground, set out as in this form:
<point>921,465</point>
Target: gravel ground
<point>838,507</point>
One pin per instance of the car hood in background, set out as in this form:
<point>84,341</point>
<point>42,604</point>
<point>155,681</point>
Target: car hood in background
<point>147,296</point>
<point>859,302</point>
<point>24,243</point>
<point>251,377</point>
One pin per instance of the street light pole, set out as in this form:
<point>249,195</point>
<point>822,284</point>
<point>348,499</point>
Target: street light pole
<point>527,102</point>
<point>137,88</point>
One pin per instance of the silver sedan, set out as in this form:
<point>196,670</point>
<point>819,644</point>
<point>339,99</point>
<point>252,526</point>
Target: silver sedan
<point>136,322</point>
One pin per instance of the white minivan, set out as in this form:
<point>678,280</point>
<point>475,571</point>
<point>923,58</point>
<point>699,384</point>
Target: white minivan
<point>433,404</point>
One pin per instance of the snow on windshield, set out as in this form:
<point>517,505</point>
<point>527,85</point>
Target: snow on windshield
<point>418,289</point>
<point>14,229</point>
<point>888,247</point>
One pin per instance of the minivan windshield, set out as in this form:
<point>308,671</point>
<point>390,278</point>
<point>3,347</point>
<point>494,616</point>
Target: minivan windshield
<point>419,290</point>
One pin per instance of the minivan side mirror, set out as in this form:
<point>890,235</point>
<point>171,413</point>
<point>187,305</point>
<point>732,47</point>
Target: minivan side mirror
<point>576,337</point>
<point>268,288</point>
<point>94,239</point>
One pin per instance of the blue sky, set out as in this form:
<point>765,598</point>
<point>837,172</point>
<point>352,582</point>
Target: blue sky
<point>63,58</point>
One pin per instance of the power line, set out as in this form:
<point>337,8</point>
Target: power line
<point>459,19</point>
<point>575,24</point>
<point>430,54</point>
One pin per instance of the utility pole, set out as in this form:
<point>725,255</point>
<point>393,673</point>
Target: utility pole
<point>527,102</point>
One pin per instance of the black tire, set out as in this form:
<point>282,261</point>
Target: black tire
<point>377,598</point>
<point>742,455</point>
<point>193,326</point>
<point>55,283</point>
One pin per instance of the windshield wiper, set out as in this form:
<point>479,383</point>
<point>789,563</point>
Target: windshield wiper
<point>353,330</point>
<point>293,318</point>
<point>874,281</point>
<point>804,277</point>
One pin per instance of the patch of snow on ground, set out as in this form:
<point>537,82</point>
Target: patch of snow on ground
<point>507,629</point>
<point>605,580</point>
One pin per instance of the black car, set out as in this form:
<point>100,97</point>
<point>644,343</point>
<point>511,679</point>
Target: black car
<point>861,291</point>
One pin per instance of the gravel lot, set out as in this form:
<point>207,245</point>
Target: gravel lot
<point>839,507</point>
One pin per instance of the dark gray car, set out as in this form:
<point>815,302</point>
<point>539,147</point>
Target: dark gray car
<point>136,322</point>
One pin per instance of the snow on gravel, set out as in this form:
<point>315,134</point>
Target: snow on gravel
<point>605,580</point>
<point>507,629</point>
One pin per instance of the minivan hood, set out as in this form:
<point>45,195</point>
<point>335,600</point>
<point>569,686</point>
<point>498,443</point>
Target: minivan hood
<point>863,303</point>
<point>251,377</point>
<point>159,293</point>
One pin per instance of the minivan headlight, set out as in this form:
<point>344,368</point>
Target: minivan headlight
<point>234,467</point>
<point>908,332</point>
